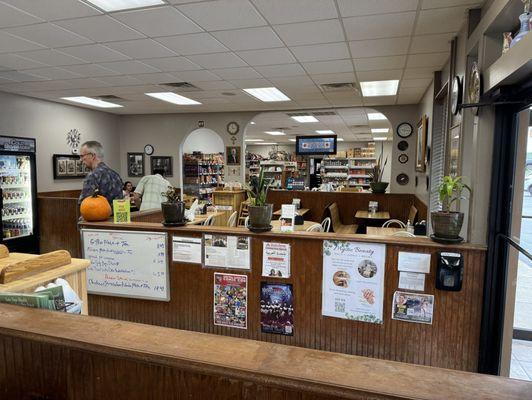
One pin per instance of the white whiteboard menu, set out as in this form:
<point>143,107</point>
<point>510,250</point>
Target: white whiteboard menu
<point>126,263</point>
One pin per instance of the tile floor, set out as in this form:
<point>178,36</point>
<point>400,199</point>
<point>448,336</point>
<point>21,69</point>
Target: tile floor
<point>521,364</point>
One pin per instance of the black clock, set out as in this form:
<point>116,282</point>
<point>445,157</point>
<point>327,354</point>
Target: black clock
<point>402,145</point>
<point>456,95</point>
<point>402,179</point>
<point>233,128</point>
<point>148,149</point>
<point>404,130</point>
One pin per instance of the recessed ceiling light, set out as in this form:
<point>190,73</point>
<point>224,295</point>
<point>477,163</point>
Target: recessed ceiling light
<point>252,123</point>
<point>376,116</point>
<point>267,143</point>
<point>380,138</point>
<point>325,132</point>
<point>339,139</point>
<point>173,98</point>
<point>254,140</point>
<point>379,130</point>
<point>274,133</point>
<point>92,102</point>
<point>291,140</point>
<point>115,5</point>
<point>379,88</point>
<point>305,118</point>
<point>267,94</point>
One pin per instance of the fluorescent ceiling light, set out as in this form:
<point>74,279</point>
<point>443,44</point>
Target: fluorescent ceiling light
<point>379,88</point>
<point>254,140</point>
<point>339,139</point>
<point>325,132</point>
<point>380,138</point>
<point>173,98</point>
<point>267,143</point>
<point>380,130</point>
<point>305,118</point>
<point>291,140</point>
<point>376,116</point>
<point>274,133</point>
<point>92,102</point>
<point>115,5</point>
<point>267,94</point>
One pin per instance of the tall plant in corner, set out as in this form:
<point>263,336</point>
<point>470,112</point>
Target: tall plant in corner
<point>260,213</point>
<point>376,172</point>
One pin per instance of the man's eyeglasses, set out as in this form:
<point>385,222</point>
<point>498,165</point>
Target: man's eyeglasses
<point>81,156</point>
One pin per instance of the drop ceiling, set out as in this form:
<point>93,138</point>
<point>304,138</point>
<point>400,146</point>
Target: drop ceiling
<point>62,48</point>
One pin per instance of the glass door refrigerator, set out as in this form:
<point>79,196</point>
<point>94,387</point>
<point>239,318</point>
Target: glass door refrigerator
<point>18,194</point>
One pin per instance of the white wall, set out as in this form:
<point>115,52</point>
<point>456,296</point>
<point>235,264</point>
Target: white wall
<point>204,140</point>
<point>49,124</point>
<point>425,108</point>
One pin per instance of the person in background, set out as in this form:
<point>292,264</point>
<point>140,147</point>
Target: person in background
<point>128,190</point>
<point>101,177</point>
<point>148,193</point>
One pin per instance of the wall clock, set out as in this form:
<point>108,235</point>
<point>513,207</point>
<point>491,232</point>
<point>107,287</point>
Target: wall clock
<point>402,145</point>
<point>73,140</point>
<point>148,149</point>
<point>403,158</point>
<point>402,179</point>
<point>233,128</point>
<point>474,86</point>
<point>456,95</point>
<point>404,130</point>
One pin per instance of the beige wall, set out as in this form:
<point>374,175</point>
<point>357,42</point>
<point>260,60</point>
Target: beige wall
<point>425,108</point>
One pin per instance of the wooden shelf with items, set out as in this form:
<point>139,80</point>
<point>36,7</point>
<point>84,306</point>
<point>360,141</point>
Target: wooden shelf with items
<point>203,172</point>
<point>252,165</point>
<point>335,170</point>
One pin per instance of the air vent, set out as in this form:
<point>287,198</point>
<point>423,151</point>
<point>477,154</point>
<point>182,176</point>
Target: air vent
<point>110,97</point>
<point>322,113</point>
<point>183,86</point>
<point>339,87</point>
<point>229,94</point>
<point>298,114</point>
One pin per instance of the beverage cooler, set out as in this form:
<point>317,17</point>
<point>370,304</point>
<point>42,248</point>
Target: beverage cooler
<point>18,194</point>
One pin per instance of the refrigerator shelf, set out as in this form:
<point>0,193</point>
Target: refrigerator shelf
<point>12,201</point>
<point>19,236</point>
<point>22,216</point>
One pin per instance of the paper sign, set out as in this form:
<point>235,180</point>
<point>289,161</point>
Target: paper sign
<point>413,307</point>
<point>227,251</point>
<point>186,249</point>
<point>276,259</point>
<point>288,214</point>
<point>411,281</point>
<point>121,211</point>
<point>414,262</point>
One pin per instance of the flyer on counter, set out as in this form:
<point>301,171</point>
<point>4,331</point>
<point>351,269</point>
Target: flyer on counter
<point>353,280</point>
<point>230,300</point>
<point>413,262</point>
<point>413,307</point>
<point>121,211</point>
<point>227,251</point>
<point>186,249</point>
<point>276,308</point>
<point>288,215</point>
<point>411,281</point>
<point>276,259</point>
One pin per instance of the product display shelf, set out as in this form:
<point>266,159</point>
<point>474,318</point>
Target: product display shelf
<point>273,170</point>
<point>335,170</point>
<point>203,173</point>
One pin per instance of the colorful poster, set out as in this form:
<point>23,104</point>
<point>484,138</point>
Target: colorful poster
<point>276,259</point>
<point>413,307</point>
<point>230,300</point>
<point>276,308</point>
<point>227,251</point>
<point>353,280</point>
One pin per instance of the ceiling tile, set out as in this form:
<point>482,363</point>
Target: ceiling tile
<point>379,26</point>
<point>223,14</point>
<point>408,98</point>
<point>311,32</point>
<point>250,83</point>
<point>120,80</point>
<point>53,73</point>
<point>141,48</point>
<point>430,21</point>
<point>158,21</point>
<point>156,78</point>
<point>381,75</point>
<point>449,3</point>
<point>291,81</point>
<point>328,67</point>
<point>195,76</point>
<point>415,73</point>
<point>90,70</point>
<point>379,100</point>
<point>379,47</point>
<point>267,57</point>
<point>215,85</point>
<point>415,83</point>
<point>20,76</point>
<point>11,16</point>
<point>237,73</point>
<point>333,78</point>
<point>48,35</point>
<point>130,67</point>
<point>12,61</point>
<point>283,12</point>
<point>320,52</point>
<point>82,83</point>
<point>436,60</point>
<point>273,71</point>
<point>94,53</point>
<point>101,28</point>
<point>51,57</point>
<point>172,64</point>
<point>54,9</point>
<point>12,44</point>
<point>249,38</point>
<point>350,8</point>
<point>379,63</point>
<point>197,43</point>
<point>431,43</point>
<point>218,60</point>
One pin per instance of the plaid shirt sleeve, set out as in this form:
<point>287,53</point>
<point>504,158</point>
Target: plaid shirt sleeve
<point>89,185</point>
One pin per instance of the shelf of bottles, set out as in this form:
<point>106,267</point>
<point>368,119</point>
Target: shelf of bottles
<point>334,170</point>
<point>273,170</point>
<point>15,181</point>
<point>360,165</point>
<point>203,172</point>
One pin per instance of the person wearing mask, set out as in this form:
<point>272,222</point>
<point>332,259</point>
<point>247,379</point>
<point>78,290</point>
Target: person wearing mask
<point>149,190</point>
<point>101,177</point>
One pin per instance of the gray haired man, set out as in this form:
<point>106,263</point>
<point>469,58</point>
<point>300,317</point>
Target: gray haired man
<point>101,177</point>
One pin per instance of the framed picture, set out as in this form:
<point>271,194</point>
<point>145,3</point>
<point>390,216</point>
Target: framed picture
<point>421,143</point>
<point>232,154</point>
<point>68,166</point>
<point>135,164</point>
<point>455,150</point>
<point>164,163</point>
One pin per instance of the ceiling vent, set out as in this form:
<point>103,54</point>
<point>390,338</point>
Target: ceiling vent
<point>339,87</point>
<point>110,97</point>
<point>183,86</point>
<point>298,114</point>
<point>323,113</point>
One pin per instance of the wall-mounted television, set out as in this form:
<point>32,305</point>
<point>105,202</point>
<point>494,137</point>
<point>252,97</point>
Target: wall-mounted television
<point>316,145</point>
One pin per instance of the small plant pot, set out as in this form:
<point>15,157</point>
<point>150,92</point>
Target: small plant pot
<point>173,212</point>
<point>260,217</point>
<point>447,225</point>
<point>378,187</point>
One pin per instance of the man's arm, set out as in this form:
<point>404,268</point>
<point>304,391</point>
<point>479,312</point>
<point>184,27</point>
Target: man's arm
<point>89,186</point>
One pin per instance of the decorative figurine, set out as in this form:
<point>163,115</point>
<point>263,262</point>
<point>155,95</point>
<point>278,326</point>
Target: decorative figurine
<point>525,23</point>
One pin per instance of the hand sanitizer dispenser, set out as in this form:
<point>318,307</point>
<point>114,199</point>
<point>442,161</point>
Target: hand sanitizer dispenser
<point>450,271</point>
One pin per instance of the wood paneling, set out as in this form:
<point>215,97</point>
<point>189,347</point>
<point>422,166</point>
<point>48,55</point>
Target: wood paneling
<point>452,341</point>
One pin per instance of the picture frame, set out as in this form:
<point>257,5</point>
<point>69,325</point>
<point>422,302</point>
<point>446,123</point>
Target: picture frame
<point>135,165</point>
<point>421,144</point>
<point>233,155</point>
<point>164,162</point>
<point>455,150</point>
<point>68,166</point>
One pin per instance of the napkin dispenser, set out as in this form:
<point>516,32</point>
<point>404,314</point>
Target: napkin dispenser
<point>299,220</point>
<point>450,271</point>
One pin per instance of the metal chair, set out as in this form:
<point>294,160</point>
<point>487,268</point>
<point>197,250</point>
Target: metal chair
<point>231,222</point>
<point>209,221</point>
<point>403,234</point>
<point>246,221</point>
<point>394,221</point>
<point>326,224</point>
<point>315,228</point>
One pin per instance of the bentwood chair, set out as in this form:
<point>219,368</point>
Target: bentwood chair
<point>315,228</point>
<point>401,224</point>
<point>403,234</point>
<point>231,222</point>
<point>326,224</point>
<point>209,221</point>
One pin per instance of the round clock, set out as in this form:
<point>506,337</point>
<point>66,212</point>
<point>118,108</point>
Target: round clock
<point>233,128</point>
<point>148,149</point>
<point>474,86</point>
<point>404,130</point>
<point>403,158</point>
<point>402,145</point>
<point>402,179</point>
<point>456,95</point>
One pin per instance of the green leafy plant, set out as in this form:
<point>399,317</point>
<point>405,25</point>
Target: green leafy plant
<point>376,172</point>
<point>172,194</point>
<point>451,190</point>
<point>258,189</point>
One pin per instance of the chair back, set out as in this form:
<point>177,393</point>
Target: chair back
<point>335,216</point>
<point>403,234</point>
<point>326,224</point>
<point>401,224</point>
<point>243,212</point>
<point>246,222</point>
<point>412,214</point>
<point>231,222</point>
<point>315,228</point>
<point>209,221</point>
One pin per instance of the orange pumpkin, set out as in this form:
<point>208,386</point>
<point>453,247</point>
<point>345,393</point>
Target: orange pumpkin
<point>95,208</point>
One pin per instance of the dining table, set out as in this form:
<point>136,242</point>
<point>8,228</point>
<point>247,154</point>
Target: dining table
<point>276,226</point>
<point>201,218</point>
<point>380,231</point>
<point>378,215</point>
<point>301,211</point>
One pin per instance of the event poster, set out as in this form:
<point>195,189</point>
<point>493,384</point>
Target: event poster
<point>276,308</point>
<point>353,280</point>
<point>413,307</point>
<point>230,300</point>
<point>276,259</point>
<point>227,251</point>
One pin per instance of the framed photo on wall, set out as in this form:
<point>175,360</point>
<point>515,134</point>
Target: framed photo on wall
<point>232,155</point>
<point>162,162</point>
<point>421,144</point>
<point>135,164</point>
<point>68,166</point>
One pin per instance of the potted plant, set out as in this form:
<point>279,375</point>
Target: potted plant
<point>375,173</point>
<point>446,224</point>
<point>260,213</point>
<point>173,209</point>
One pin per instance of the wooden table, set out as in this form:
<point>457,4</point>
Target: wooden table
<point>372,230</point>
<point>201,218</point>
<point>301,211</point>
<point>276,224</point>
<point>382,215</point>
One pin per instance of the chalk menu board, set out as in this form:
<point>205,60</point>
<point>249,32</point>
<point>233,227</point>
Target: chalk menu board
<point>126,263</point>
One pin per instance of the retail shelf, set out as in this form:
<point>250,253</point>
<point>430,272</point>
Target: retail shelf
<point>13,201</point>
<point>11,217</point>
